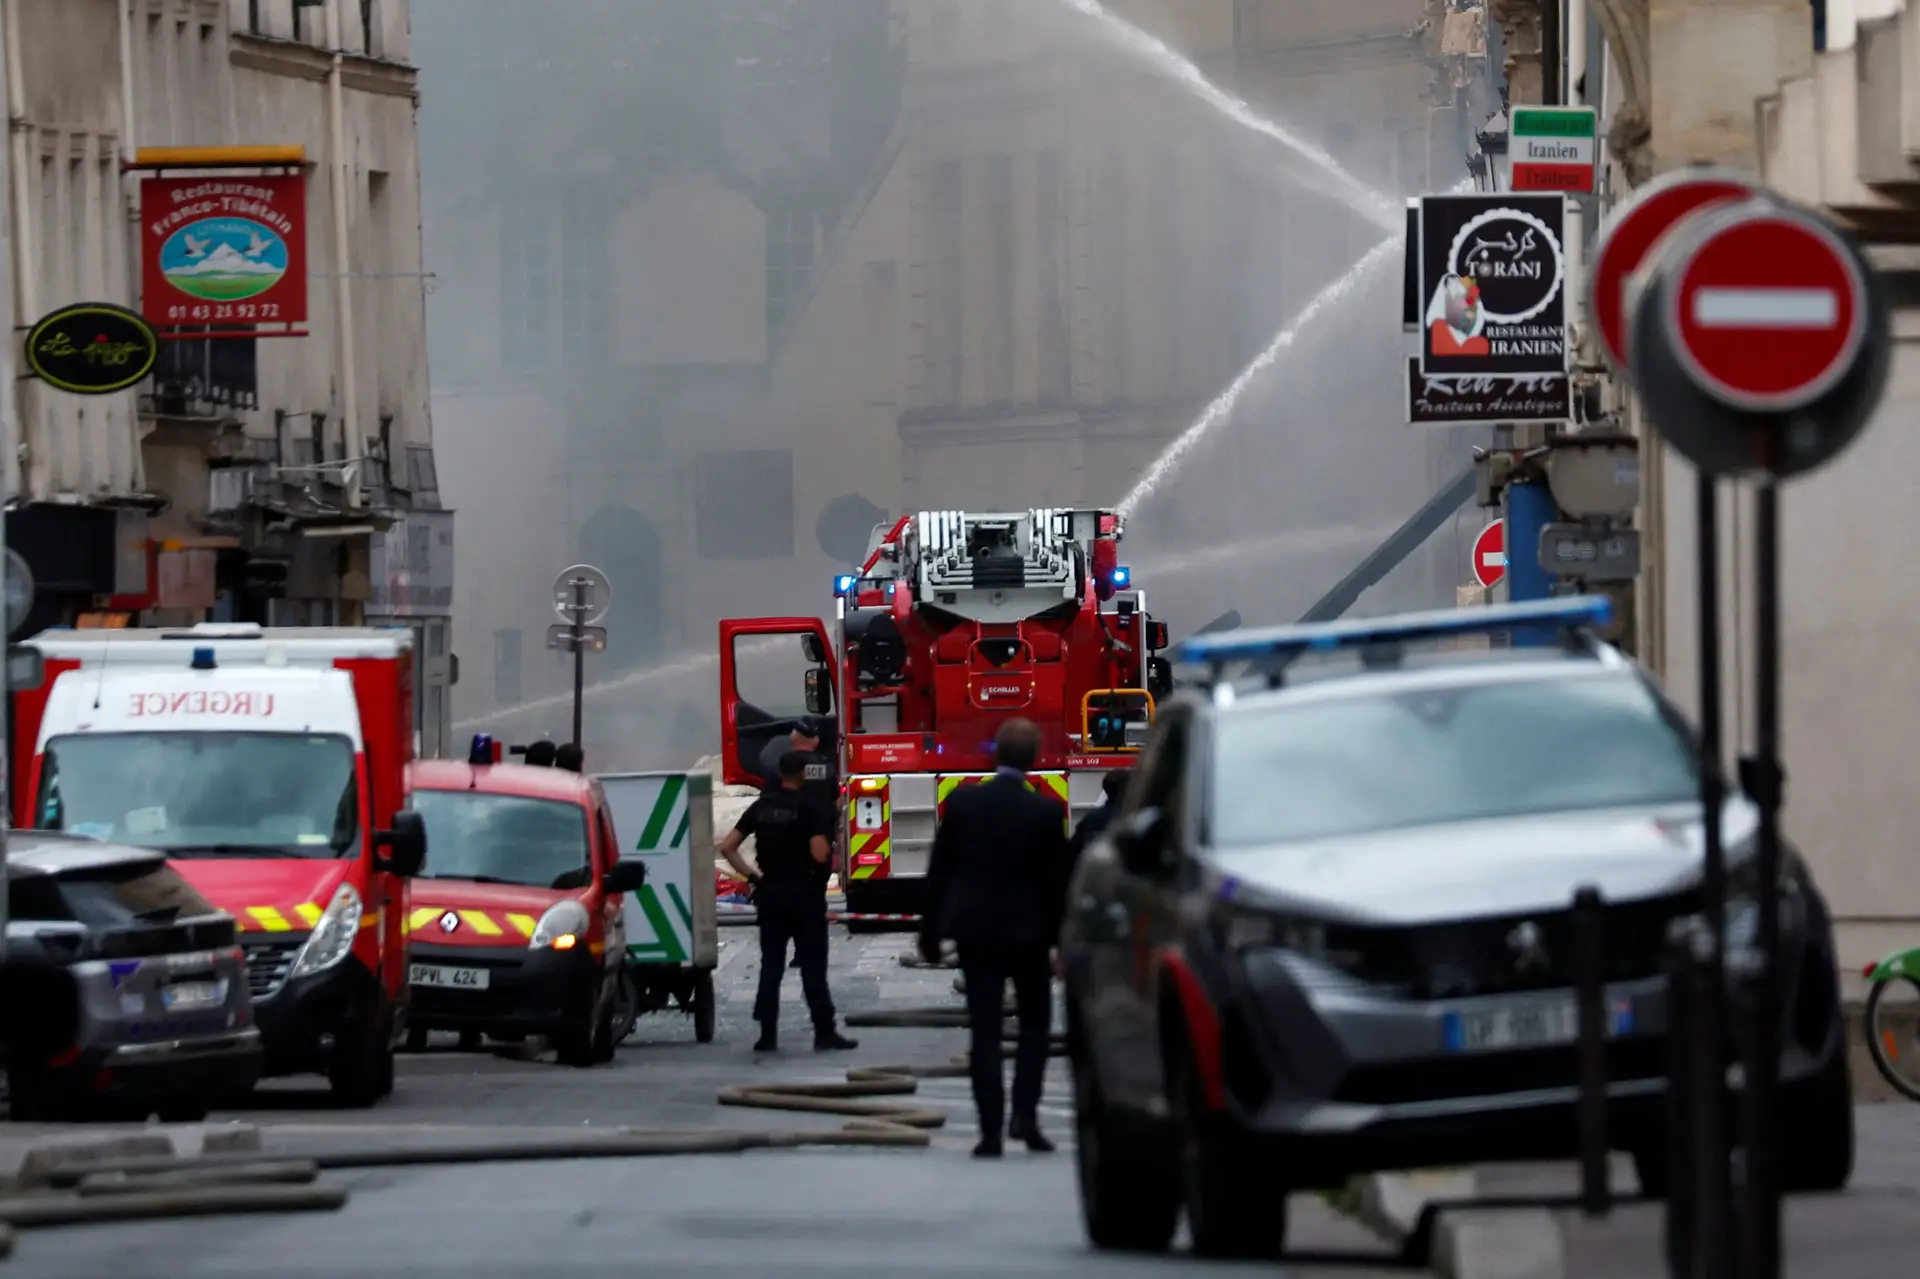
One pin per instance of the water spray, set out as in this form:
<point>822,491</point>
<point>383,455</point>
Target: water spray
<point>673,669</point>
<point>1177,452</point>
<point>1380,208</point>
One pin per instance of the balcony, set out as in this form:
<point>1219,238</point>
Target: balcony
<point>207,381</point>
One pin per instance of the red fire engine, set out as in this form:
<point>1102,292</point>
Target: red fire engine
<point>956,622</point>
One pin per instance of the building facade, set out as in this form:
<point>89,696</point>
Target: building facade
<point>1005,265</point>
<point>286,480</point>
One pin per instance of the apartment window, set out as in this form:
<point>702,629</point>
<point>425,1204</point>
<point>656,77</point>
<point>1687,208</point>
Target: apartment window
<point>790,234</point>
<point>584,306</point>
<point>743,504</point>
<point>526,285</point>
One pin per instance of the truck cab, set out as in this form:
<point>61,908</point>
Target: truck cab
<point>270,766</point>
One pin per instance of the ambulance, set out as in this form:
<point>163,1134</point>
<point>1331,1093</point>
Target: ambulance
<point>270,766</point>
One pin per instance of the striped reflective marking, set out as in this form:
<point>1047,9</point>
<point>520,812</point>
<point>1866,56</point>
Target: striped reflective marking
<point>270,919</point>
<point>525,923</point>
<point>309,913</point>
<point>480,922</point>
<point>421,917</point>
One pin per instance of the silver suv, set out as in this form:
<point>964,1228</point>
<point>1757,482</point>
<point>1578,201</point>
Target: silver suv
<point>162,1021</point>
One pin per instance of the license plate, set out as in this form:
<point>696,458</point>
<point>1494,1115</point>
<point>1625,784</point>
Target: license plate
<point>1531,1024</point>
<point>457,978</point>
<point>193,994</point>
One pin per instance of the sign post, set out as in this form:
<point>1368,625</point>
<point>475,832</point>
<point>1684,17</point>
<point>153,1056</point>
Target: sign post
<point>581,595</point>
<point>1553,149</point>
<point>1490,554</point>
<point>1761,345</point>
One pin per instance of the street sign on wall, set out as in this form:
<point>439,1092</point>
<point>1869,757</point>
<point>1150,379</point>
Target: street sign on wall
<point>1768,312</point>
<point>1553,149</point>
<point>1492,273</point>
<point>1465,401</point>
<point>94,348</point>
<point>1635,227</point>
<point>226,252</point>
<point>1490,554</point>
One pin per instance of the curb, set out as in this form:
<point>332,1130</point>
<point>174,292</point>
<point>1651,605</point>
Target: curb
<point>27,1161</point>
<point>1467,1243</point>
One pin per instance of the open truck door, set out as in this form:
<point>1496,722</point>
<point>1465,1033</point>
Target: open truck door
<point>773,671</point>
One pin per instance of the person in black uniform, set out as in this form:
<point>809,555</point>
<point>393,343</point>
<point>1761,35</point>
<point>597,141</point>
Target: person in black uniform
<point>820,786</point>
<point>569,756</point>
<point>996,885</point>
<point>540,754</point>
<point>792,835</point>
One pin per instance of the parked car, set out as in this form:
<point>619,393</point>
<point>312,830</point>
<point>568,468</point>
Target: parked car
<point>162,1022</point>
<point>1330,930</point>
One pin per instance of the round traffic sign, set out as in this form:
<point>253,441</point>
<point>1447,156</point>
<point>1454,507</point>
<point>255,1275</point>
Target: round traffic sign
<point>19,587</point>
<point>1636,226</point>
<point>582,594</point>
<point>1752,365</point>
<point>1490,554</point>
<point>1767,310</point>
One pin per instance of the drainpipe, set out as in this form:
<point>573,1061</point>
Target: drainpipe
<point>127,147</point>
<point>342,267</point>
<point>26,295</point>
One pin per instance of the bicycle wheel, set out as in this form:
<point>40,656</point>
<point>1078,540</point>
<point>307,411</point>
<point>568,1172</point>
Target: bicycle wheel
<point>1892,1024</point>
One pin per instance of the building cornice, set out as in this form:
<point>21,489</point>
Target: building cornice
<point>300,61</point>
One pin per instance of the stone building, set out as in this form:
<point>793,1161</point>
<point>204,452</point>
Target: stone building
<point>1003,262</point>
<point>249,479</point>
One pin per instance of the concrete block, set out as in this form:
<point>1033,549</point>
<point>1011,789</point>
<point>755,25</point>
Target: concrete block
<point>216,1139</point>
<point>1390,1202</point>
<point>30,1160</point>
<point>1518,1243</point>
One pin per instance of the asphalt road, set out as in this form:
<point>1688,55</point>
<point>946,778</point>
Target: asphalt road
<point>932,1212</point>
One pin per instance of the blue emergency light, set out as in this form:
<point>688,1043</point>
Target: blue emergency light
<point>1122,578</point>
<point>482,750</point>
<point>203,659</point>
<point>1570,613</point>
<point>843,584</point>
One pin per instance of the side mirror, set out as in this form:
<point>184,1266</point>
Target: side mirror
<point>1156,636</point>
<point>625,877</point>
<point>1159,678</point>
<point>819,692</point>
<point>1139,838</point>
<point>405,846</point>
<point>810,645</point>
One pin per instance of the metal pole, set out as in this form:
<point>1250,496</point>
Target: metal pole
<point>1683,970</point>
<point>1710,1020</point>
<point>1763,777</point>
<point>9,423</point>
<point>579,611</point>
<point>1590,989</point>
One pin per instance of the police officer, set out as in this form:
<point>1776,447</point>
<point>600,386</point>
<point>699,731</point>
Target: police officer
<point>794,837</point>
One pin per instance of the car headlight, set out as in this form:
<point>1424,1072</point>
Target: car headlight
<point>563,927</point>
<point>1743,899</point>
<point>332,939</point>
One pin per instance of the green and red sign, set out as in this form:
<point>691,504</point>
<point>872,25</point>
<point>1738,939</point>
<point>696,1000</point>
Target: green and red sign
<point>1554,149</point>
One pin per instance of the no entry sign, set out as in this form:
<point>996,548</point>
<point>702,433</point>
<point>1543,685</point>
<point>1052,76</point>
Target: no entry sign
<point>1490,554</point>
<point>1635,228</point>
<point>1768,311</point>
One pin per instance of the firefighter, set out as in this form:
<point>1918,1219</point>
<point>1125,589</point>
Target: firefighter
<point>821,787</point>
<point>570,757</point>
<point>794,837</point>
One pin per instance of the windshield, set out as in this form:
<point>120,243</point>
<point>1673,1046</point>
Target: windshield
<point>1422,757</point>
<point>504,839</point>
<point>205,794</point>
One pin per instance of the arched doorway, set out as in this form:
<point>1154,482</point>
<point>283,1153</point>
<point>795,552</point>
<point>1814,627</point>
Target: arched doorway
<point>622,543</point>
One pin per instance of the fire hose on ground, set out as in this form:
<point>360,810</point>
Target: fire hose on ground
<point>133,1188</point>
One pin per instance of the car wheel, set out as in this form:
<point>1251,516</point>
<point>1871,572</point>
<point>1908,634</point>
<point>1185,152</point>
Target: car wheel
<point>626,1008</point>
<point>183,1110</point>
<point>704,1008</point>
<point>1895,1048</point>
<point>360,1056</point>
<point>1129,1199</point>
<point>469,1041</point>
<point>417,1040</point>
<point>574,1043</point>
<point>1236,1209</point>
<point>1816,1139</point>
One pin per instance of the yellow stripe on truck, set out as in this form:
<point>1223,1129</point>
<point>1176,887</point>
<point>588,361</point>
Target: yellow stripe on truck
<point>480,922</point>
<point>421,917</point>
<point>525,923</point>
<point>270,919</point>
<point>310,913</point>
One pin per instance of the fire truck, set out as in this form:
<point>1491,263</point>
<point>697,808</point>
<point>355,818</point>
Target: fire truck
<point>956,622</point>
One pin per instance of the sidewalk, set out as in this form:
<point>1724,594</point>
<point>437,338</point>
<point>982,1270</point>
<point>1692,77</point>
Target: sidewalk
<point>1870,1232</point>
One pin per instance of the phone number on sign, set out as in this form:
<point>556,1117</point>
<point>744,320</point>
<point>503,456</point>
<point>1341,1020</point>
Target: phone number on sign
<point>226,311</point>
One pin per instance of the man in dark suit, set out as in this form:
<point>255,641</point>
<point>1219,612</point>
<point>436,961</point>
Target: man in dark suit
<point>996,886</point>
